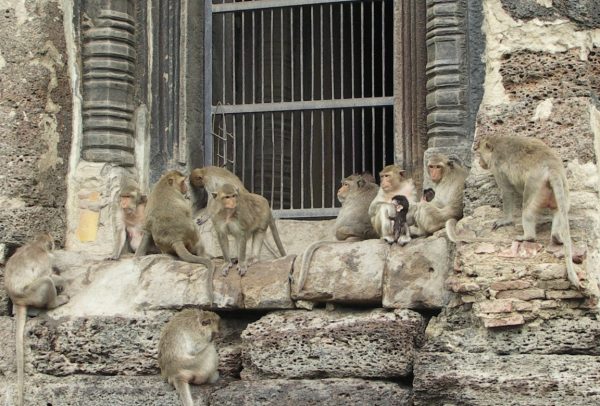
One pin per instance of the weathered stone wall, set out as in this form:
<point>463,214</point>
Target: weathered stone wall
<point>35,120</point>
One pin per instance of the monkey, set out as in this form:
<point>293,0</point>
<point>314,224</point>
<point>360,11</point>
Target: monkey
<point>381,209</point>
<point>187,352</point>
<point>353,222</point>
<point>207,180</point>
<point>243,215</point>
<point>529,169</point>
<point>448,179</point>
<point>169,224</point>
<point>455,238</point>
<point>401,233</point>
<point>428,194</point>
<point>356,194</point>
<point>129,221</point>
<point>30,281</point>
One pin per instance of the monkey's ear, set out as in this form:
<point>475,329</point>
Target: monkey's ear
<point>361,182</point>
<point>214,195</point>
<point>170,180</point>
<point>143,199</point>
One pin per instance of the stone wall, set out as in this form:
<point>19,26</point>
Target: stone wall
<point>35,121</point>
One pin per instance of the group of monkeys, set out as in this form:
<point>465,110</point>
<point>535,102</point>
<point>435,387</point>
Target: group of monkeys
<point>522,167</point>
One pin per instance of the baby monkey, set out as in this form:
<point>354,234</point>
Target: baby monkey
<point>401,232</point>
<point>187,352</point>
<point>428,194</point>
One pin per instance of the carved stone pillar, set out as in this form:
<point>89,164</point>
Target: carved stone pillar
<point>454,75</point>
<point>108,59</point>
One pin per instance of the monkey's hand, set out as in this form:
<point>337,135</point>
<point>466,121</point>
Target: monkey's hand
<point>501,223</point>
<point>389,240</point>
<point>201,220</point>
<point>403,240</point>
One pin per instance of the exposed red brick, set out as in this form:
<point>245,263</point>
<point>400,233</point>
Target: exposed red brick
<point>563,294</point>
<point>495,306</point>
<point>512,320</point>
<point>510,285</point>
<point>524,294</point>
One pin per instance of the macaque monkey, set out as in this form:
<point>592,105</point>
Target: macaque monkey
<point>169,223</point>
<point>207,180</point>
<point>448,179</point>
<point>242,215</point>
<point>401,233</point>
<point>353,222</point>
<point>527,168</point>
<point>187,352</point>
<point>381,209</point>
<point>428,195</point>
<point>30,281</point>
<point>129,221</point>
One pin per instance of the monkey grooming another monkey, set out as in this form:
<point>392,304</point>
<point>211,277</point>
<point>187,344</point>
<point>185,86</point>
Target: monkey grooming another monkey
<point>528,168</point>
<point>401,233</point>
<point>242,215</point>
<point>207,180</point>
<point>29,281</point>
<point>187,352</point>
<point>381,209</point>
<point>129,221</point>
<point>169,223</point>
<point>448,179</point>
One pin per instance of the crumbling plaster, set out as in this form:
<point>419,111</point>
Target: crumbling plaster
<point>504,36</point>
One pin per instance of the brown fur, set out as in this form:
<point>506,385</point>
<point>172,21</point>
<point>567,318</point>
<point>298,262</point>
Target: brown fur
<point>527,169</point>
<point>30,281</point>
<point>381,210</point>
<point>187,352</point>
<point>129,221</point>
<point>447,201</point>
<point>242,215</point>
<point>207,180</point>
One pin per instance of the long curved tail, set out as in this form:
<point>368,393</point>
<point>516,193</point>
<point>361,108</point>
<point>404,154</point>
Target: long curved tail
<point>451,230</point>
<point>21,316</point>
<point>275,233</point>
<point>183,253</point>
<point>559,186</point>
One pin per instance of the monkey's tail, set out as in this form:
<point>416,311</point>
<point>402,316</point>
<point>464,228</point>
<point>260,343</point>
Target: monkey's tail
<point>275,233</point>
<point>183,253</point>
<point>21,316</point>
<point>559,186</point>
<point>306,258</point>
<point>451,230</point>
<point>183,389</point>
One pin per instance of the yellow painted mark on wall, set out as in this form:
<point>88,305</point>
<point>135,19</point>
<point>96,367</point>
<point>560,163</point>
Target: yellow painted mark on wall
<point>87,230</point>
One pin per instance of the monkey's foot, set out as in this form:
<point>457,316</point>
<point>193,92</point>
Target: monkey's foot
<point>389,240</point>
<point>242,269</point>
<point>574,279</point>
<point>403,240</point>
<point>525,238</point>
<point>201,220</point>
<point>226,269</point>
<point>557,240</point>
<point>501,223</point>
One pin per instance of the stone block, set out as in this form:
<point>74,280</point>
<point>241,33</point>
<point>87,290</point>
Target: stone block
<point>266,285</point>
<point>504,321</point>
<point>349,272</point>
<point>494,306</point>
<point>113,345</point>
<point>7,349</point>
<point>415,275</point>
<point>331,392</point>
<point>319,343</point>
<point>493,380</point>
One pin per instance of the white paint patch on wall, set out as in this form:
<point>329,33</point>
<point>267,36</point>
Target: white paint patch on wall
<point>18,6</point>
<point>543,110</point>
<point>505,36</point>
<point>2,61</point>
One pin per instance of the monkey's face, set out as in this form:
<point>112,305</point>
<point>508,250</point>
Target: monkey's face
<point>212,322</point>
<point>390,180</point>
<point>343,191</point>
<point>484,150</point>
<point>197,178</point>
<point>229,201</point>
<point>436,172</point>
